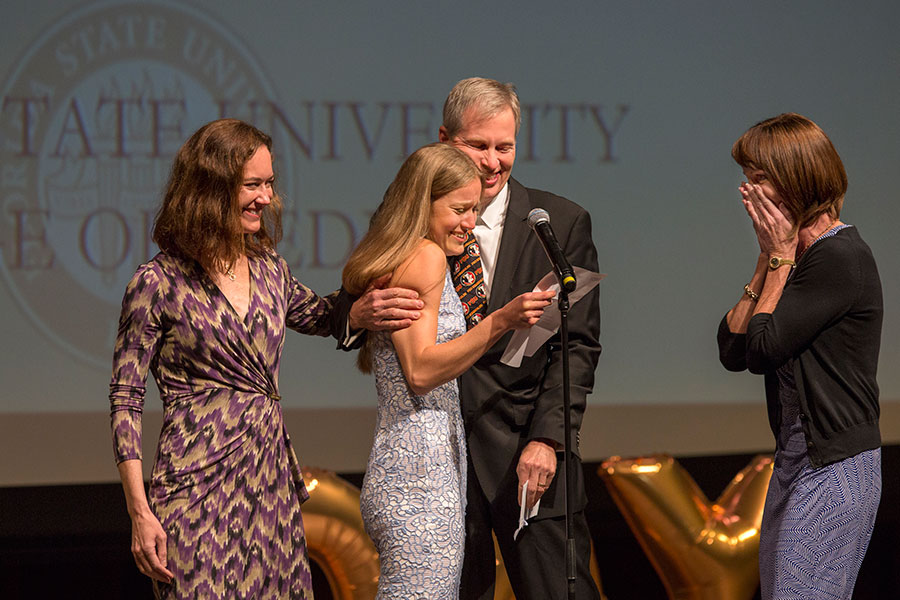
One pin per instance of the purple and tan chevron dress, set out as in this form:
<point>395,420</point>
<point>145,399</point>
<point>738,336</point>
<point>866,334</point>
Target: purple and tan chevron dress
<point>226,484</point>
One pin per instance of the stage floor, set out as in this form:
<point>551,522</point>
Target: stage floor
<point>73,541</point>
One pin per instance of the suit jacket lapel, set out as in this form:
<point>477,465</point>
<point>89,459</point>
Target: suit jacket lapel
<point>515,234</point>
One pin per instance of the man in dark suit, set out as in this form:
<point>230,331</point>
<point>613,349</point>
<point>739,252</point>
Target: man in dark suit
<point>514,416</point>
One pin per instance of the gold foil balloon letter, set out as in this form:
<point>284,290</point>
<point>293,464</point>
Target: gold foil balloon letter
<point>701,550</point>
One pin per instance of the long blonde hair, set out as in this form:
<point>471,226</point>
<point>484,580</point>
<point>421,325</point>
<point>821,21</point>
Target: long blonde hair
<point>402,219</point>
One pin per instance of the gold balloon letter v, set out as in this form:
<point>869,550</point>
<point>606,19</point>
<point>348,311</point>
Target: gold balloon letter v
<point>701,551</point>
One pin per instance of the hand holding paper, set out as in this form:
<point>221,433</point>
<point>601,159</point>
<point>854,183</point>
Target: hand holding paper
<point>523,517</point>
<point>525,342</point>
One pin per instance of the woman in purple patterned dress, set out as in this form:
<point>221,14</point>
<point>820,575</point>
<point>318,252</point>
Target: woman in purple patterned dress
<point>207,316</point>
<point>810,321</point>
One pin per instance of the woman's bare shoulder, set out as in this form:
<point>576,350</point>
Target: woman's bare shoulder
<point>425,268</point>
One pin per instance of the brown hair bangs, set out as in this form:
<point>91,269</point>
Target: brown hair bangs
<point>800,161</point>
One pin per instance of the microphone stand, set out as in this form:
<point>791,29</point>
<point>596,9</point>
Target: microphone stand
<point>567,443</point>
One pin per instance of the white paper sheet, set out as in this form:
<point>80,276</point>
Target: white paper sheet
<point>525,342</point>
<point>523,518</point>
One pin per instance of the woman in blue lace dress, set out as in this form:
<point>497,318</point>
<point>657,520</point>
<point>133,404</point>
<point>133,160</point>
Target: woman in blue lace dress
<point>810,321</point>
<point>414,490</point>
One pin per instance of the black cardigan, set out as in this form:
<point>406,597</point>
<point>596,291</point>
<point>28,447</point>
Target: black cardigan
<point>829,320</point>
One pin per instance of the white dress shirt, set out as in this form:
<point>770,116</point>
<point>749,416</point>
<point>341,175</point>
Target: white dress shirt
<point>488,231</point>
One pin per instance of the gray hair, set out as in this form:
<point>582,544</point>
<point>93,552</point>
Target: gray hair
<point>489,96</point>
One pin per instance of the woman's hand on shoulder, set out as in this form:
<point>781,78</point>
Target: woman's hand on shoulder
<point>525,310</point>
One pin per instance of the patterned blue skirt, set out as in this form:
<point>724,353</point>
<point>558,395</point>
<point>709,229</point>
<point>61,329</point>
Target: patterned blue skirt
<point>817,522</point>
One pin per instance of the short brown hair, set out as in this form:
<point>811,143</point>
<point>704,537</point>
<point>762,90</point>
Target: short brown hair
<point>800,161</point>
<point>489,96</point>
<point>200,218</point>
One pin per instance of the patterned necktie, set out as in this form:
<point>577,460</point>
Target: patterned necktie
<point>468,280</point>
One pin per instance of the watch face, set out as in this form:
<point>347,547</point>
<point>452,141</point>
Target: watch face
<point>776,262</point>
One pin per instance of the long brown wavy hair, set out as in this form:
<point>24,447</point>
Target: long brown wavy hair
<point>402,220</point>
<point>200,216</point>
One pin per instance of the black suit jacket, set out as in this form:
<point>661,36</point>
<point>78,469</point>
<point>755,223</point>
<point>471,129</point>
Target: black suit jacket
<point>504,407</point>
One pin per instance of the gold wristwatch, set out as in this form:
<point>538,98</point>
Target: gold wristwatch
<point>776,262</point>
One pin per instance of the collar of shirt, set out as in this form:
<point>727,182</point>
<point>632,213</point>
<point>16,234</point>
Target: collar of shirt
<point>488,231</point>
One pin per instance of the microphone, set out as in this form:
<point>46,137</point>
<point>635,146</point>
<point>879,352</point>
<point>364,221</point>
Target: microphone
<point>539,220</point>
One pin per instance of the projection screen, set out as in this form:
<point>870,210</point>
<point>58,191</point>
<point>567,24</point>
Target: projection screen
<point>629,109</point>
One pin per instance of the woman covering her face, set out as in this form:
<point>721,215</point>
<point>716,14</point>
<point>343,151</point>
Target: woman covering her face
<point>809,320</point>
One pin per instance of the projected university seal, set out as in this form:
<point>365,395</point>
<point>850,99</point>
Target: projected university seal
<point>90,120</point>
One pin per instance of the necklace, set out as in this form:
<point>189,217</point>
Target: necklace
<point>824,233</point>
<point>819,237</point>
